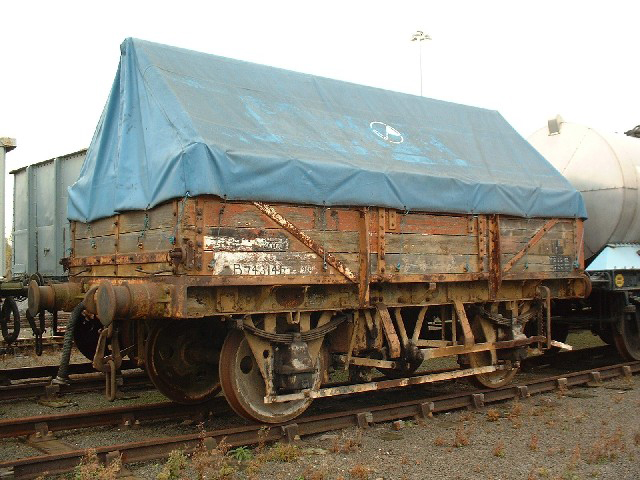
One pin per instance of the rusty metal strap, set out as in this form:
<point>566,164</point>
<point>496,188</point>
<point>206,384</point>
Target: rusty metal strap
<point>306,240</point>
<point>530,244</point>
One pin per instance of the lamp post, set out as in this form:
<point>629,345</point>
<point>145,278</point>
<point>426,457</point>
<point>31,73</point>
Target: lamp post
<point>6,145</point>
<point>420,37</point>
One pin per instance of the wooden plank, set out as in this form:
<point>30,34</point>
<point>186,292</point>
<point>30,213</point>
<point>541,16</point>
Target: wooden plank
<point>95,246</point>
<point>163,216</point>
<point>275,239</point>
<point>152,240</point>
<point>236,214</point>
<point>434,224</point>
<point>427,264</point>
<point>99,228</point>
<point>416,243</point>
<point>269,263</point>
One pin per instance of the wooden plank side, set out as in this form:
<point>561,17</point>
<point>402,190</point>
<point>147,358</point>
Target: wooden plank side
<point>433,224</point>
<point>232,214</point>
<point>272,263</point>
<point>99,228</point>
<point>95,246</point>
<point>276,239</point>
<point>163,216</point>
<point>152,240</point>
<point>542,263</point>
<point>514,244</point>
<point>416,243</point>
<point>427,264</point>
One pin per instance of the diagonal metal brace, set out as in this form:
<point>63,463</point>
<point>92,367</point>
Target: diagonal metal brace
<point>309,242</point>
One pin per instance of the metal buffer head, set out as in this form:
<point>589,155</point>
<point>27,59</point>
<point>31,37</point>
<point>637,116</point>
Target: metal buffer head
<point>132,301</point>
<point>58,296</point>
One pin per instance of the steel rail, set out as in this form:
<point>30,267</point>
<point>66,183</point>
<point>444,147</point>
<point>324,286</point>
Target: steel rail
<point>84,383</point>
<point>125,416</point>
<point>25,373</point>
<point>153,449</point>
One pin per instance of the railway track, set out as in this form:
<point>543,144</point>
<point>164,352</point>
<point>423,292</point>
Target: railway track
<point>43,427</point>
<point>31,382</point>
<point>28,344</point>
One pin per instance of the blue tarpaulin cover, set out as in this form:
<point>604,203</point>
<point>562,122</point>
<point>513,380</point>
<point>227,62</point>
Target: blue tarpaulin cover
<point>179,122</point>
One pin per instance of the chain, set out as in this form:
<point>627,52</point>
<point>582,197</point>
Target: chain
<point>144,230</point>
<point>91,239</point>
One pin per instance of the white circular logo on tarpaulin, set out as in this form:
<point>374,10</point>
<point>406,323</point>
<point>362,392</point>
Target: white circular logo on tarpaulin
<point>386,132</point>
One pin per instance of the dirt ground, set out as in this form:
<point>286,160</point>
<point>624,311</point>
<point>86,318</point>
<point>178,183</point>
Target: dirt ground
<point>586,433</point>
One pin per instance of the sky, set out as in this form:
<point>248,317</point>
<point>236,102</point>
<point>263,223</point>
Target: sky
<point>530,60</point>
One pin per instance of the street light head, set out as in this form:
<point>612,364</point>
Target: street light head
<point>420,36</point>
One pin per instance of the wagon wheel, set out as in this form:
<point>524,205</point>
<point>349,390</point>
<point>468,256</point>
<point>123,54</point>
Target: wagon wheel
<point>181,360</point>
<point>485,331</point>
<point>626,336</point>
<point>244,388</point>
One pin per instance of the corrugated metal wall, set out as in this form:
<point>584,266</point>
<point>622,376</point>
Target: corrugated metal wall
<point>41,234</point>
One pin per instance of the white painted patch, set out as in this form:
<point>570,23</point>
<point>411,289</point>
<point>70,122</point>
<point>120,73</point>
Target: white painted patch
<point>263,263</point>
<point>232,244</point>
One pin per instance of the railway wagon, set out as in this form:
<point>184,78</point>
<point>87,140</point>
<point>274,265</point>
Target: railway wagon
<point>242,228</point>
<point>612,232</point>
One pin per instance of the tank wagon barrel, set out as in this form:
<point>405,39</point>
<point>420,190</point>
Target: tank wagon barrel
<point>284,229</point>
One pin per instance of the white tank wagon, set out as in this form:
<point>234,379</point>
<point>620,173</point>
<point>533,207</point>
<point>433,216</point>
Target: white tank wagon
<point>604,167</point>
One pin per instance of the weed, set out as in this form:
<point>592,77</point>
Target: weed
<point>575,458</point>
<point>606,448</point>
<point>466,417</point>
<point>241,454</point>
<point>461,437</point>
<point>90,468</point>
<point>493,415</point>
<point>359,472</point>
<point>262,438</point>
<point>347,442</point>
<point>543,472</point>
<point>176,463</point>
<point>516,410</point>
<point>282,452</point>
<point>636,439</point>
<point>570,475</point>
<point>439,442</point>
<point>498,449</point>
<point>313,474</point>
<point>212,463</point>
<point>533,442</point>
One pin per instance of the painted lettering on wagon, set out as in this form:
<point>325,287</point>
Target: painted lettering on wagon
<point>233,244</point>
<point>263,263</point>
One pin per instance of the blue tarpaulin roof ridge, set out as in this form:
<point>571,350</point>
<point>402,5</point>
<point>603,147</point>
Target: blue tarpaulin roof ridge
<point>178,121</point>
